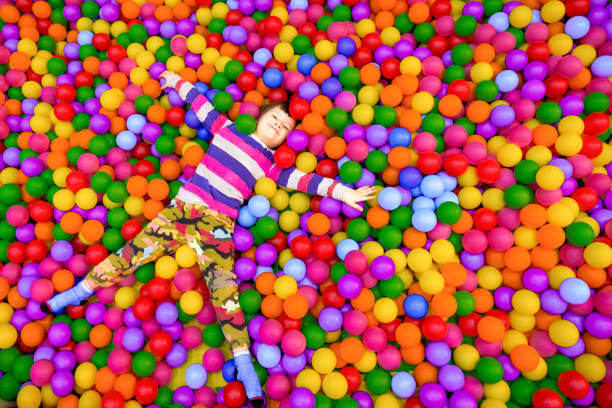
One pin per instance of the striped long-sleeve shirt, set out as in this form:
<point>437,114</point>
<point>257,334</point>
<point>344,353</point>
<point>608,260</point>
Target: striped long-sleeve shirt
<point>226,176</point>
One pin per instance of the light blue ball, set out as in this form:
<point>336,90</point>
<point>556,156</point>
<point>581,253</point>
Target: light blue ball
<point>126,140</point>
<point>135,123</point>
<point>85,37</point>
<point>196,376</point>
<point>258,206</point>
<point>272,78</point>
<point>298,5</point>
<point>268,356</point>
<point>574,291</point>
<point>577,27</point>
<point>345,246</point>
<point>245,218</point>
<point>499,21</point>
<point>450,182</point>
<point>602,66</point>
<point>403,384</point>
<point>262,56</point>
<point>423,203</point>
<point>295,268</point>
<point>424,220</point>
<point>432,186</point>
<point>389,198</point>
<point>447,196</point>
<point>507,80</point>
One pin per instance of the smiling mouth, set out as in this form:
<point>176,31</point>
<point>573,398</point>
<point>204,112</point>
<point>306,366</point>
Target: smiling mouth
<point>273,128</point>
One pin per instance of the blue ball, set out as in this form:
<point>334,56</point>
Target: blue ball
<point>268,356</point>
<point>295,268</point>
<point>196,376</point>
<point>305,63</point>
<point>432,186</point>
<point>331,87</point>
<point>258,206</point>
<point>201,87</point>
<point>346,46</point>
<point>262,56</point>
<point>500,21</point>
<point>416,306</point>
<point>507,80</point>
<point>423,203</point>
<point>450,182</point>
<point>574,291</point>
<point>577,27</point>
<point>228,370</point>
<point>85,37</point>
<point>272,78</point>
<point>399,137</point>
<point>245,218</point>
<point>126,140</point>
<point>192,120</point>
<point>424,220</point>
<point>410,177</point>
<point>298,5</point>
<point>447,196</point>
<point>389,198</point>
<point>202,132</point>
<point>403,384</point>
<point>345,246</point>
<point>135,123</point>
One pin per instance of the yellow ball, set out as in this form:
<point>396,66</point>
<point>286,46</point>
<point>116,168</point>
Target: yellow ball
<point>324,361</point>
<point>499,391</point>
<point>560,44</point>
<point>511,339</point>
<point>335,385</point>
<point>29,397</point>
<point>493,199</point>
<point>369,95</point>
<point>386,401</point>
<point>492,403</point>
<point>509,155</point>
<point>31,89</point>
<point>363,114</point>
<point>63,199</point>
<point>306,162</point>
<point>598,255</point>
<point>27,46</point>
<point>385,310</point>
<point>469,198</point>
<point>410,65</point>
<point>86,198</point>
<point>550,177</point>
<point>466,356</point>
<point>6,313</point>
<point>520,16</point>
<point>570,124</point>
<point>185,256</point>
<point>586,53</point>
<point>521,322</point>
<point>166,267</point>
<point>324,50</point>
<point>559,273</point>
<point>85,375</point>
<point>526,301</point>
<point>191,302</point>
<point>309,378</point>
<point>591,366</point>
<point>563,333</point>
<point>525,237</point>
<point>442,251</point>
<point>364,27</point>
<point>125,297</point>
<point>288,220</point>
<point>372,250</point>
<point>90,398</point>
<point>489,277</point>
<point>389,36</point>
<point>40,124</point>
<point>285,286</point>
<point>419,260</point>
<point>538,373</point>
<point>133,205</point>
<point>568,144</point>
<point>552,11</point>
<point>299,202</point>
<point>8,335</point>
<point>481,71</point>
<point>422,102</point>
<point>399,259</point>
<point>469,178</point>
<point>539,154</point>
<point>196,43</point>
<point>431,282</point>
<point>145,59</point>
<point>266,187</point>
<point>283,52</point>
<point>109,100</point>
<point>560,214</point>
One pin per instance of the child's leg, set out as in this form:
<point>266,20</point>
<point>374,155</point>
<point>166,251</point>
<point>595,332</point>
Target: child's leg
<point>159,237</point>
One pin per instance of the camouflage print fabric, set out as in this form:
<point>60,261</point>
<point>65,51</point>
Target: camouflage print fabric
<point>209,234</point>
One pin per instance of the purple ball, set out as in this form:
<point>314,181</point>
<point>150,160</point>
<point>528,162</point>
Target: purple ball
<point>265,254</point>
<point>330,319</point>
<point>516,60</point>
<point>293,364</point>
<point>166,313</point>
<point>59,334</point>
<point>243,239</point>
<point>462,399</point>
<point>302,397</point>
<point>535,279</point>
<point>451,378</point>
<point>94,314</point>
<point>503,298</point>
<point>511,373</point>
<point>432,395</point>
<point>382,267</point>
<point>62,383</point>
<point>32,167</point>
<point>598,325</point>
<point>61,251</point>
<point>438,353</point>
<point>377,135</point>
<point>575,350</point>
<point>177,355</point>
<point>245,268</point>
<point>133,339</point>
<point>64,360</point>
<point>552,302</point>
<point>183,395</point>
<point>363,398</point>
<point>349,286</point>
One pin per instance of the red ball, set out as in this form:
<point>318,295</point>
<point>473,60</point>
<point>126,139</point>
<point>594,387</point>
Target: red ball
<point>146,390</point>
<point>101,41</point>
<point>324,248</point>
<point>273,25</point>
<point>16,252</point>
<point>315,203</point>
<point>438,45</point>
<point>284,156</point>
<point>273,63</point>
<point>33,76</point>
<point>390,68</point>
<point>43,25</point>
<point>243,56</point>
<point>414,402</point>
<point>538,51</point>
<point>577,7</point>
<point>246,81</point>
<point>298,107</point>
<point>573,384</point>
<point>429,163</point>
<point>434,328</point>
<point>596,123</point>
<point>332,297</point>
<point>158,288</point>
<point>603,395</point>
<point>485,219</point>
<point>372,41</point>
<point>277,95</point>
<point>175,116</point>
<point>440,8</point>
<point>586,197</point>
<point>327,168</point>
<point>116,53</point>
<point>319,36</point>
<point>301,247</point>
<point>113,399</point>
<point>214,40</point>
<point>36,250</point>
<point>278,241</point>
<point>460,88</point>
<point>454,40</point>
<point>65,93</point>
<point>64,111</point>
<point>468,324</point>
<point>160,343</point>
<point>488,171</point>
<point>143,308</point>
<point>40,211</point>
<point>556,86</point>
<point>76,311</point>
<point>96,253</point>
<point>76,181</point>
<point>233,17</point>
<point>141,150</point>
<point>130,229</point>
<point>25,6</point>
<point>546,398</point>
<point>390,328</point>
<point>289,323</point>
<point>78,246</point>
<point>455,164</point>
<point>82,78</point>
<point>353,378</point>
<point>307,29</point>
<point>234,394</point>
<point>362,56</point>
<point>591,146</point>
<point>144,168</point>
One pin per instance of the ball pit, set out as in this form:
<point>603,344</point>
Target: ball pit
<point>480,275</point>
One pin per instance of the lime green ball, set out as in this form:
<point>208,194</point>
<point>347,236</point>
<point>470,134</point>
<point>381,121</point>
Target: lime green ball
<point>36,186</point>
<point>385,115</point>
<point>216,25</point>
<point>212,335</point>
<point>489,370</point>
<point>74,153</point>
<point>99,145</point>
<point>518,196</point>
<point>60,235</point>
<point>337,271</point>
<point>579,234</point>
<point>301,44</point>
<point>46,43</point>
<point>378,381</point>
<point>448,213</point>
<point>433,123</point>
<point>596,102</point>
<point>143,102</point>
<point>486,91</point>
<point>423,32</point>
<point>143,364</point>
<point>323,401</point>
<point>9,387</point>
<point>465,302</point>
<point>557,364</point>
<point>462,54</point>
<point>219,81</point>
<point>100,358</point>
<point>549,112</point>
<point>341,12</point>
<point>250,301</point>
<point>163,53</point>
<point>164,397</point>
<point>246,124</point>
<point>401,217</point>
<point>403,23</point>
<point>112,239</point>
<point>346,402</point>
<point>350,171</point>
<point>223,101</point>
<point>358,229</point>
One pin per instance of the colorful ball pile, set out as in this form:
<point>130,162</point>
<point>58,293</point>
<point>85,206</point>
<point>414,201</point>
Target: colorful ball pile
<point>480,275</point>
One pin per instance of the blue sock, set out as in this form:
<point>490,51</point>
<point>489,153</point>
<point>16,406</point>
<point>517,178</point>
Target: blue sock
<point>247,374</point>
<point>72,296</point>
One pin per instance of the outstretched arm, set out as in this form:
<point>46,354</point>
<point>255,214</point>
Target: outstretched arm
<point>211,118</point>
<point>313,183</point>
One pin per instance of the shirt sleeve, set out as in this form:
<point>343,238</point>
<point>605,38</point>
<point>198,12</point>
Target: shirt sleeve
<point>310,183</point>
<point>211,118</point>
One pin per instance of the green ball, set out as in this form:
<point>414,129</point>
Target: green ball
<point>165,145</point>
<point>85,93</point>
<point>143,364</point>
<point>223,101</point>
<point>336,118</point>
<point>518,196</point>
<point>453,73</point>
<point>163,53</point>
<point>337,271</point>
<point>10,194</point>
<point>100,358</point>
<point>433,123</point>
<point>448,213</point>
<point>551,384</point>
<point>557,364</point>
<point>246,124</point>
<point>401,217</point>
<point>7,231</point>
<point>9,387</point>
<point>315,336</point>
<point>212,335</point>
<point>378,381</point>
<point>216,25</point>
<point>250,301</point>
<point>266,227</point>
<point>117,192</point>
<point>164,397</point>
<point>486,91</point>
<point>596,102</point>
<point>117,217</point>
<point>462,54</point>
<point>99,145</point>
<point>138,33</point>
<point>47,43</point>
<point>323,401</point>
<point>301,44</point>
<point>349,77</point>
<point>549,112</point>
<point>346,402</point>
<point>376,161</point>
<point>88,50</point>
<point>112,239</point>
<point>232,69</point>
<point>143,102</point>
<point>492,6</point>
<point>525,171</point>
<point>465,25</point>
<point>390,236</point>
<point>56,66</point>
<point>519,36</point>
<point>350,171</point>
<point>145,273</point>
<point>60,235</point>
<point>22,367</point>
<point>100,181</point>
<point>579,234</point>
<point>392,287</point>
<point>465,302</point>
<point>489,370</point>
<point>80,330</point>
<point>36,186</point>
<point>403,23</point>
<point>423,32</point>
<point>521,391</point>
<point>219,81</point>
<point>467,125</point>
<point>385,115</point>
<point>7,358</point>
<point>358,229</point>
<point>90,9</point>
<point>74,153</point>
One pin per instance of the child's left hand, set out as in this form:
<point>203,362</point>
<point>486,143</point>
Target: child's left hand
<point>352,197</point>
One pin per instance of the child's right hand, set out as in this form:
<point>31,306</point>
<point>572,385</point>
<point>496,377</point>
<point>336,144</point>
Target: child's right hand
<point>166,75</point>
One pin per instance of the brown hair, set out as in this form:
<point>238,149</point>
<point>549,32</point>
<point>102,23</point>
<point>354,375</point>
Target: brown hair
<point>283,105</point>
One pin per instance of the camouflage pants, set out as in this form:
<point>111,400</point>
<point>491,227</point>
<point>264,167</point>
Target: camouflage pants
<point>209,234</point>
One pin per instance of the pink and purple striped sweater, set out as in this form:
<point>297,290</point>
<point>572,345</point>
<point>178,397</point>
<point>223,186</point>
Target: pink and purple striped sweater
<point>226,176</point>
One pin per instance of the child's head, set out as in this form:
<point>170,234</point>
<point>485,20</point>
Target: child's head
<point>274,124</point>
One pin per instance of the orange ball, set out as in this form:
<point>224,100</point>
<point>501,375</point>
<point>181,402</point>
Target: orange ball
<point>335,147</point>
<point>62,280</point>
<point>364,302</point>
<point>443,304</point>
<point>391,95</point>
<point>550,236</point>
<point>32,334</point>
<point>525,357</point>
<point>295,306</point>
<point>265,283</point>
<point>491,329</point>
<point>533,215</point>
<point>399,157</point>
<point>313,123</point>
<point>92,230</point>
<point>369,74</point>
<point>272,306</point>
<point>105,380</point>
<point>126,384</point>
<point>377,217</point>
<point>351,350</point>
<point>407,334</point>
<point>71,222</point>
<point>100,336</point>
<point>158,189</point>
<point>137,186</point>
<point>318,224</point>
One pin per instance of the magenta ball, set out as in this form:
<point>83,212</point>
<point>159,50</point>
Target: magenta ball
<point>355,322</point>
<point>356,262</point>
<point>271,331</point>
<point>382,267</point>
<point>349,286</point>
<point>375,339</point>
<point>293,343</point>
<point>278,386</point>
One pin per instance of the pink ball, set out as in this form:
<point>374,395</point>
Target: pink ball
<point>454,336</point>
<point>270,41</point>
<point>356,262</point>
<point>17,215</point>
<point>107,295</point>
<point>389,358</point>
<point>509,218</point>
<point>424,142</point>
<point>500,239</point>
<point>345,100</point>
<point>432,65</point>
<point>355,322</point>
<point>571,256</point>
<point>583,166</point>
<point>41,290</point>
<point>475,241</point>
<point>440,231</point>
<point>471,282</point>
<point>336,31</point>
<point>475,152</point>
<point>374,339</point>
<point>106,68</point>
<point>314,12</point>
<point>113,318</point>
<point>368,280</point>
<point>39,142</point>
<point>316,144</point>
<point>445,26</point>
<point>11,272</point>
<point>115,156</point>
<point>504,42</point>
<point>278,386</point>
<point>162,374</point>
<point>271,332</point>
<point>455,136</point>
<point>88,163</point>
<point>474,387</point>
<point>205,396</point>
<point>317,271</point>
<point>129,280</point>
<point>310,294</point>
<point>126,109</point>
<point>147,10</point>
<point>78,265</point>
<point>537,32</point>
<point>120,361</point>
<point>524,109</point>
<point>207,315</point>
<point>84,351</point>
<point>293,342</point>
<point>118,336</point>
<point>505,180</point>
<point>569,66</point>
<point>431,84</point>
<point>543,344</point>
<point>132,91</point>
<point>520,135</point>
<point>123,171</point>
<point>599,182</point>
<point>357,150</point>
<point>149,327</point>
<point>213,360</point>
<point>548,197</point>
<point>15,77</point>
<point>185,280</point>
<point>487,349</point>
<point>126,65</point>
<point>249,108</point>
<point>484,34</point>
<point>41,372</point>
<point>603,302</point>
<point>191,337</point>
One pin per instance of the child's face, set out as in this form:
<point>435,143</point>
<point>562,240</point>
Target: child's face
<point>273,127</point>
